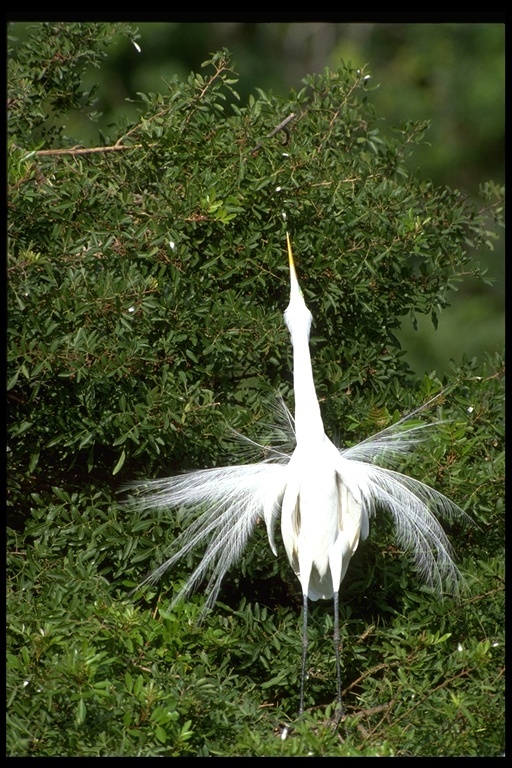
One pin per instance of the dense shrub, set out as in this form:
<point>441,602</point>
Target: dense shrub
<point>146,281</point>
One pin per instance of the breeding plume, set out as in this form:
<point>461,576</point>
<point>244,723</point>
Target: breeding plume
<point>323,497</point>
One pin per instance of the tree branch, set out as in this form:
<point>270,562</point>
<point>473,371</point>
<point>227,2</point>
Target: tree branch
<point>281,127</point>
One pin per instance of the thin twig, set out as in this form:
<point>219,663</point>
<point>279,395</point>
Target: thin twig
<point>281,127</point>
<point>85,150</point>
<point>117,147</point>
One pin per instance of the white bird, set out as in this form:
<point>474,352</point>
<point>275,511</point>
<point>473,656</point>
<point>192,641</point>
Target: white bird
<point>324,497</point>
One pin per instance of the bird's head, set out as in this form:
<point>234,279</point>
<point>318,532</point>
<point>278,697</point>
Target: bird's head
<point>297,316</point>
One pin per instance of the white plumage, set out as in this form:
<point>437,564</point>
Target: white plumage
<point>323,496</point>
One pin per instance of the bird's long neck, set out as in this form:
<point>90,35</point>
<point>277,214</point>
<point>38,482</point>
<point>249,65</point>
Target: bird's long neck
<point>308,419</point>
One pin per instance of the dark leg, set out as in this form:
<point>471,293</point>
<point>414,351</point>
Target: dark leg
<point>337,651</point>
<point>304,650</point>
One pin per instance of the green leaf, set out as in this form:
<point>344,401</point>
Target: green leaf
<point>119,463</point>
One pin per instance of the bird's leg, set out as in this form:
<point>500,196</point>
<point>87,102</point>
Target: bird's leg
<point>304,650</point>
<point>337,653</point>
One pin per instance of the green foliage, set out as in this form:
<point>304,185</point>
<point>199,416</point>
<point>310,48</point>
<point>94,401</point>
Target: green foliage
<point>39,98</point>
<point>147,277</point>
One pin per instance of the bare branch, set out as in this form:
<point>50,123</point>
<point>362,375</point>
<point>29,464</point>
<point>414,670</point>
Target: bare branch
<point>281,127</point>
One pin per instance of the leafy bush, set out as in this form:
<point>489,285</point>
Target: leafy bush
<point>147,277</point>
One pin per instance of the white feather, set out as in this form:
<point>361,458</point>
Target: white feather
<point>323,496</point>
<point>222,506</point>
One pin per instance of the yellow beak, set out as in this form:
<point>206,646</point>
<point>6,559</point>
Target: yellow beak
<point>290,256</point>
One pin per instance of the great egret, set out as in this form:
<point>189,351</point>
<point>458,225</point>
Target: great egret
<point>323,495</point>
